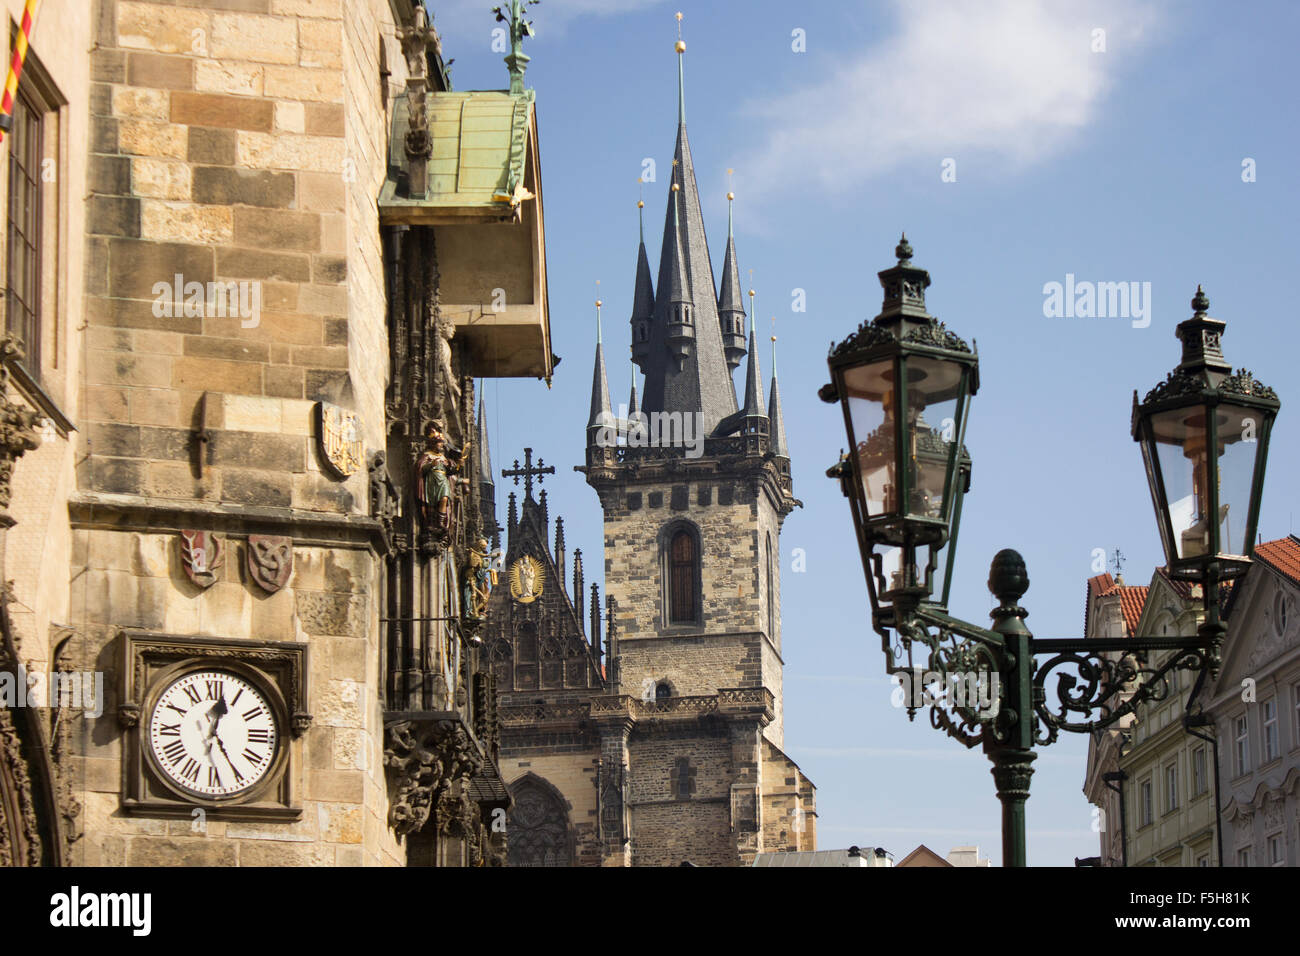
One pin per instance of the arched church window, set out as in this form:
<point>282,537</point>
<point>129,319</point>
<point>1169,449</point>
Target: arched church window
<point>663,691</point>
<point>683,575</point>
<point>538,825</point>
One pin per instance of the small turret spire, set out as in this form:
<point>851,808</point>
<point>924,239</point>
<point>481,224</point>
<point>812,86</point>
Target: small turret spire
<point>600,410</point>
<point>776,420</point>
<point>731,313</point>
<point>753,384</point>
<point>643,299</point>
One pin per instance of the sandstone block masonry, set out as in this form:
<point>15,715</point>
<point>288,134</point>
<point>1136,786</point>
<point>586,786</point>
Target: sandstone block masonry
<point>236,142</point>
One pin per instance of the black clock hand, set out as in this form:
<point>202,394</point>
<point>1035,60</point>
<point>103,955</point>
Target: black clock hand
<point>220,709</point>
<point>238,776</point>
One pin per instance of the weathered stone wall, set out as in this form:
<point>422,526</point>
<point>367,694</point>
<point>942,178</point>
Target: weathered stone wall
<point>236,141</point>
<point>734,646</point>
<point>789,804</point>
<point>37,549</point>
<point>135,580</point>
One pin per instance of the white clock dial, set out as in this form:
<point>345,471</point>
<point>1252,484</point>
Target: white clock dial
<point>213,733</point>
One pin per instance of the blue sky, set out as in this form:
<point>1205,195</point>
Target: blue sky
<point>1122,165</point>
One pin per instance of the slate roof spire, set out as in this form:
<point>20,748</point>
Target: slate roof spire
<point>685,367</point>
<point>643,299</point>
<point>600,410</point>
<point>731,313</point>
<point>753,378</point>
<point>776,422</point>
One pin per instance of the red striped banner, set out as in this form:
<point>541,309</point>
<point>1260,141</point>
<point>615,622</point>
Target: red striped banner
<point>16,67</point>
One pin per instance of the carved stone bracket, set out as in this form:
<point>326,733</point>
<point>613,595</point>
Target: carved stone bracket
<point>431,759</point>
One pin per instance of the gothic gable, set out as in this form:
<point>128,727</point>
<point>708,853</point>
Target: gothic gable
<point>534,636</point>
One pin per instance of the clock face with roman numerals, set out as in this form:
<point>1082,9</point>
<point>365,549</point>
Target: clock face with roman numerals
<point>213,734</point>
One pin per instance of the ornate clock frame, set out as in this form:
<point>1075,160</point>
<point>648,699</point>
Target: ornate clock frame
<point>151,661</point>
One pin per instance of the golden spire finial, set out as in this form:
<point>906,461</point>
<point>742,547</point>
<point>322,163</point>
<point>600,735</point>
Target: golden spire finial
<point>681,46</point>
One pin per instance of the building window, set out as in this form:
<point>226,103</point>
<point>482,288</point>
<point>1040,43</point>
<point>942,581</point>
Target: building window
<point>1146,804</point>
<point>1171,787</point>
<point>1200,781</point>
<point>663,691</point>
<point>1271,749</point>
<point>682,567</point>
<point>1276,851</point>
<point>1242,750</point>
<point>538,825</point>
<point>682,779</point>
<point>1243,856</point>
<point>1203,860</point>
<point>23,265</point>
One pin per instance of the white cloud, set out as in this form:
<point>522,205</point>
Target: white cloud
<point>1011,79</point>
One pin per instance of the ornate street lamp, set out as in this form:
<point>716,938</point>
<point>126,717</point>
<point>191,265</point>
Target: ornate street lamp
<point>904,383</point>
<point>1204,433</point>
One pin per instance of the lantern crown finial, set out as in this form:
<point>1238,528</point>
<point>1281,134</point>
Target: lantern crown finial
<point>903,251</point>
<point>1200,301</point>
<point>1201,336</point>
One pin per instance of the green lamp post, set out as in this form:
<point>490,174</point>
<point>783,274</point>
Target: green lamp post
<point>904,383</point>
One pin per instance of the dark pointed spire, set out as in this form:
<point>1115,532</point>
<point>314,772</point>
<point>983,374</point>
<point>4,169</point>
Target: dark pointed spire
<point>643,300</point>
<point>632,408</point>
<point>686,372</point>
<point>731,311</point>
<point>679,276</point>
<point>776,421</point>
<point>600,410</point>
<point>558,552</point>
<point>753,378</point>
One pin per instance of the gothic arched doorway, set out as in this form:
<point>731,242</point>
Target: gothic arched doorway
<point>537,833</point>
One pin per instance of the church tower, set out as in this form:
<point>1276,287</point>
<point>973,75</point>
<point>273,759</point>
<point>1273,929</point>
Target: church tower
<point>695,487</point>
<point>660,741</point>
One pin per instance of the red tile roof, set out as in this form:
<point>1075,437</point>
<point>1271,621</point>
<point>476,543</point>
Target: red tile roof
<point>1131,599</point>
<point>1283,555</point>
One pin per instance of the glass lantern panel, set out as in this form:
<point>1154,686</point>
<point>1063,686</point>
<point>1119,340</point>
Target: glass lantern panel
<point>871,402</point>
<point>1238,431</point>
<point>934,390</point>
<point>944,553</point>
<point>1180,437</point>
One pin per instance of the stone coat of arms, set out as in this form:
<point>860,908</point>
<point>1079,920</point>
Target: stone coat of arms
<point>339,434</point>
<point>202,554</point>
<point>270,561</point>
